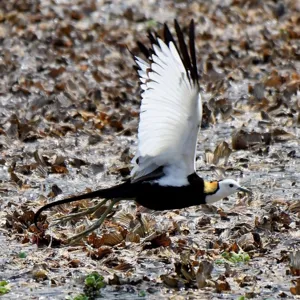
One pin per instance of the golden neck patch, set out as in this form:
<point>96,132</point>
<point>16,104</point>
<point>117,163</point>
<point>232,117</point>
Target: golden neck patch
<point>210,187</point>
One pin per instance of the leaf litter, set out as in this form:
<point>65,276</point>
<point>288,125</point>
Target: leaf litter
<point>69,103</point>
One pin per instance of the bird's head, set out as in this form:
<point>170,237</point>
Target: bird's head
<point>217,190</point>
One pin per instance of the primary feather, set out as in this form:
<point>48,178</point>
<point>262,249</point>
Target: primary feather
<point>171,109</point>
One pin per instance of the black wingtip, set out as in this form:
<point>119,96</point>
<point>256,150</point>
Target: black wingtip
<point>168,37</point>
<point>185,57</point>
<point>144,49</point>
<point>187,52</point>
<point>152,37</point>
<point>193,50</point>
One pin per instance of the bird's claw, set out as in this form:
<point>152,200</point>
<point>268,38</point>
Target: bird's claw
<point>82,213</point>
<point>94,226</point>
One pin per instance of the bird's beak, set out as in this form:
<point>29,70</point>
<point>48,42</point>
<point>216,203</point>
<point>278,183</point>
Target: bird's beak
<point>242,189</point>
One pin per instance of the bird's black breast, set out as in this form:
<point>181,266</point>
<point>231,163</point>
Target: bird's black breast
<point>157,197</point>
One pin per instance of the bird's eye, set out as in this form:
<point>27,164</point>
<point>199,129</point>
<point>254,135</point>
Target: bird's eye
<point>230,185</point>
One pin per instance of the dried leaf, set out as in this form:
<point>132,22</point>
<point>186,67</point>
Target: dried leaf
<point>296,289</point>
<point>101,252</point>
<point>222,285</point>
<point>161,240</point>
<point>222,151</point>
<point>111,238</point>
<point>173,281</point>
<point>243,140</point>
<point>204,273</point>
<point>274,80</point>
<point>295,263</point>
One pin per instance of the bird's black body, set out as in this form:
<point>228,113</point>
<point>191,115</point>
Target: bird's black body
<point>147,193</point>
<point>157,197</point>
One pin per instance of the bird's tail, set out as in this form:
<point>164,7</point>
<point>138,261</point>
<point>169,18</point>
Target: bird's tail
<point>118,191</point>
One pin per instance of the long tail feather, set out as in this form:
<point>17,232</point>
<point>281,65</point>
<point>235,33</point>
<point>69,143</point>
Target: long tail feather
<point>118,191</point>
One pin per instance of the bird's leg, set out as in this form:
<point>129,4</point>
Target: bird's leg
<point>81,213</point>
<point>96,224</point>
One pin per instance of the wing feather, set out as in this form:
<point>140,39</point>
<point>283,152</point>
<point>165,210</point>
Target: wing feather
<point>171,108</point>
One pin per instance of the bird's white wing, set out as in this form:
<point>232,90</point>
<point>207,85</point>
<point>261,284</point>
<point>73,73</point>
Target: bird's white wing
<point>171,109</point>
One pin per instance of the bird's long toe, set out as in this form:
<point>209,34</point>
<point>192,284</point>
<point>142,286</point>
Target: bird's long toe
<point>94,226</point>
<point>80,214</point>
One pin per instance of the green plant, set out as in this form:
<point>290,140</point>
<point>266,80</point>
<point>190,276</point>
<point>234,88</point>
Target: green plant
<point>4,287</point>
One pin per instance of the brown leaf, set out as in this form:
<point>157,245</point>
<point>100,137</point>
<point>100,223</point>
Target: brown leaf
<point>173,281</point>
<point>204,273</point>
<point>234,248</point>
<point>184,267</point>
<point>274,80</point>
<point>59,169</point>
<point>101,252</point>
<point>161,240</point>
<point>295,263</point>
<point>296,289</point>
<point>16,179</point>
<point>123,267</point>
<point>243,140</point>
<point>112,238</point>
<point>39,272</point>
<point>295,207</point>
<point>246,280</point>
<point>94,240</point>
<point>222,151</point>
<point>222,285</point>
<point>74,263</point>
<point>280,135</point>
<point>56,72</point>
<point>246,242</point>
<point>132,237</point>
<point>225,107</point>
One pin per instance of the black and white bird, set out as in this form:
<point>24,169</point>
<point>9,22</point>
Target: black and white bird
<point>163,175</point>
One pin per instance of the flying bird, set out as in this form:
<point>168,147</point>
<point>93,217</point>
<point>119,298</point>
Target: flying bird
<point>163,176</point>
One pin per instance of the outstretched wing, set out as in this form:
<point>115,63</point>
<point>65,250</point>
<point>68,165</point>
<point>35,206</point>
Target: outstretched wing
<point>171,108</point>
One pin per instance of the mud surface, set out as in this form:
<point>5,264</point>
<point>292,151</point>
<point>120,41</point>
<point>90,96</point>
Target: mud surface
<point>69,105</point>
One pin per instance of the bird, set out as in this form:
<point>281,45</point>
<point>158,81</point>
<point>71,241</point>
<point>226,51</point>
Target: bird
<point>164,174</point>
